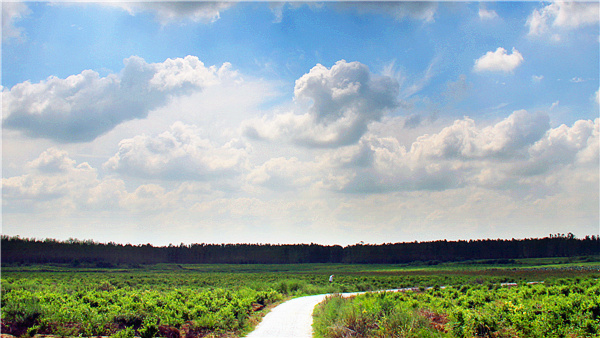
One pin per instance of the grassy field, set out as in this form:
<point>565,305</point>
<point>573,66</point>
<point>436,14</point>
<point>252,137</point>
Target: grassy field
<point>226,300</point>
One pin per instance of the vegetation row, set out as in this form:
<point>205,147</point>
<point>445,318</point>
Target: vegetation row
<point>226,300</point>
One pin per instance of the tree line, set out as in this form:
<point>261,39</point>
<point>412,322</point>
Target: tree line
<point>16,250</point>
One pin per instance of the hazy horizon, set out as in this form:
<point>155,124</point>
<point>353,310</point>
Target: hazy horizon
<point>297,123</point>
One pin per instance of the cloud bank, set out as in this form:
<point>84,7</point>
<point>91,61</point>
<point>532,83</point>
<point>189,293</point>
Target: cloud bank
<point>520,153</point>
<point>85,106</point>
<point>500,156</point>
<point>457,176</point>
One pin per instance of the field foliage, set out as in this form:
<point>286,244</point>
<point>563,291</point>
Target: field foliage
<point>556,308</point>
<point>170,300</point>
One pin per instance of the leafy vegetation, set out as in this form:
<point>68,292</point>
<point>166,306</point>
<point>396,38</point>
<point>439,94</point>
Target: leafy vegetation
<point>556,308</point>
<point>147,305</point>
<point>171,300</point>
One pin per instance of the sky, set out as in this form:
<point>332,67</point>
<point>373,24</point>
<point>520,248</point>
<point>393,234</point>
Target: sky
<point>292,122</point>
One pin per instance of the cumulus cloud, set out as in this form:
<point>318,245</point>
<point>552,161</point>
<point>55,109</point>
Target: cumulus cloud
<point>381,164</point>
<point>507,138</point>
<point>563,146</point>
<point>84,106</point>
<point>11,13</point>
<point>51,176</point>
<point>346,86</point>
<point>562,15</point>
<point>178,11</point>
<point>57,184</point>
<point>343,100</point>
<point>179,153</point>
<point>54,183</point>
<point>499,61</point>
<point>464,154</point>
<point>52,160</point>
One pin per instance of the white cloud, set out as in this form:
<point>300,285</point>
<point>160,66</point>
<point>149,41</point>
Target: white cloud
<point>506,139</point>
<point>485,14</point>
<point>84,106</point>
<point>563,146</point>
<point>562,15</point>
<point>55,183</point>
<point>346,87</point>
<point>514,154</point>
<point>499,61</point>
<point>52,160</point>
<point>597,96</point>
<point>462,154</point>
<point>53,180</point>
<point>178,11</point>
<point>11,13</point>
<point>343,101</point>
<point>537,23</point>
<point>179,154</point>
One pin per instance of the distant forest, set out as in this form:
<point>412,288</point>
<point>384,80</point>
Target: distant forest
<point>16,250</point>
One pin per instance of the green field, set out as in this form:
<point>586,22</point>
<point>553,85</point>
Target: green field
<point>228,300</point>
<point>567,307</point>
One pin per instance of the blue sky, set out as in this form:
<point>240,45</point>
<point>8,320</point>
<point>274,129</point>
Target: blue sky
<point>333,122</point>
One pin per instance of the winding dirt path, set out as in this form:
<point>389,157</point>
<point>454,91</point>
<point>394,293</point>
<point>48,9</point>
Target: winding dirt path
<point>292,319</point>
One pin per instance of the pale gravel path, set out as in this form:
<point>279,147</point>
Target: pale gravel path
<point>292,319</point>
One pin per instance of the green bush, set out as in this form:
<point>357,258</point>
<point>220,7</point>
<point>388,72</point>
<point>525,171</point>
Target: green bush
<point>100,306</point>
<point>469,311</point>
<point>23,314</point>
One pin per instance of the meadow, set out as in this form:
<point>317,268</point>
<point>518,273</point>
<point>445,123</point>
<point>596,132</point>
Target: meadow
<point>227,300</point>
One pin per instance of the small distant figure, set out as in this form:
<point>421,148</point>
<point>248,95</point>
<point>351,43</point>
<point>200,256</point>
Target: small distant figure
<point>331,279</point>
